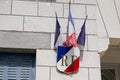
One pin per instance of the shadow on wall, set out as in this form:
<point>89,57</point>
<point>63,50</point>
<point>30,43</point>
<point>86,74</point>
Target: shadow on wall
<point>112,54</point>
<point>40,0</point>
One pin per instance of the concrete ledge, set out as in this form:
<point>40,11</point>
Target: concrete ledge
<point>24,40</point>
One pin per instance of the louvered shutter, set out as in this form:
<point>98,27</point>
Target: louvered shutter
<point>17,66</point>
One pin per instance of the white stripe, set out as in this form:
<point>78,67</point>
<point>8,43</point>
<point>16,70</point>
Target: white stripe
<point>59,41</point>
<point>74,51</point>
<point>71,29</point>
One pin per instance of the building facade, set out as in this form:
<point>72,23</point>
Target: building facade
<point>109,38</point>
<point>27,29</point>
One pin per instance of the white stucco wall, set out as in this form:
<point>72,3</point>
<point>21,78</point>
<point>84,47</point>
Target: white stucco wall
<point>109,12</point>
<point>108,22</point>
<point>34,16</point>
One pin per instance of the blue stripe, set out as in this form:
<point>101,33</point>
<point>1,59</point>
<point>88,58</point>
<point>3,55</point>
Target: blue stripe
<point>57,31</point>
<point>62,50</point>
<point>81,37</point>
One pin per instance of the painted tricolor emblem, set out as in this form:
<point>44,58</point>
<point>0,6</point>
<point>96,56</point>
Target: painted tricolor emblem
<point>68,59</point>
<point>68,53</point>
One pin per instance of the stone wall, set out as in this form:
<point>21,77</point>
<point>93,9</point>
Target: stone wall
<point>22,21</point>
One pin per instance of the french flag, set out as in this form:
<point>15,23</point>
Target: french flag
<point>81,37</point>
<point>58,37</point>
<point>71,35</point>
<point>69,49</point>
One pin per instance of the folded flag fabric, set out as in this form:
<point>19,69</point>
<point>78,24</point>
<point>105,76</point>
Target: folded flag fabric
<point>71,34</point>
<point>58,37</point>
<point>81,37</point>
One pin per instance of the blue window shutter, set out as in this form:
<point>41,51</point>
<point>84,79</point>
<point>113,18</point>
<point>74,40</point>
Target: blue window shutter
<point>17,66</point>
<point>1,67</point>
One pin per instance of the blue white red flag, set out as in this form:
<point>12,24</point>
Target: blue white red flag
<point>71,34</point>
<point>68,59</point>
<point>68,56</point>
<point>58,37</point>
<point>81,37</point>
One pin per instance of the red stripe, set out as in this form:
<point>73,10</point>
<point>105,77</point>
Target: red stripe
<point>65,43</point>
<point>73,67</point>
<point>72,40</point>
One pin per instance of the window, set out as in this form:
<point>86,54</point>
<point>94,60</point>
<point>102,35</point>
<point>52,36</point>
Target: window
<point>108,74</point>
<point>17,66</point>
<point>110,71</point>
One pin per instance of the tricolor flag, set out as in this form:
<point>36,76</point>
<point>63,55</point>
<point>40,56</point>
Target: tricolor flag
<point>68,56</point>
<point>81,37</point>
<point>58,37</point>
<point>71,34</point>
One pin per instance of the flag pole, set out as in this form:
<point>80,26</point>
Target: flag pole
<point>68,44</point>
<point>86,18</point>
<point>69,3</point>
